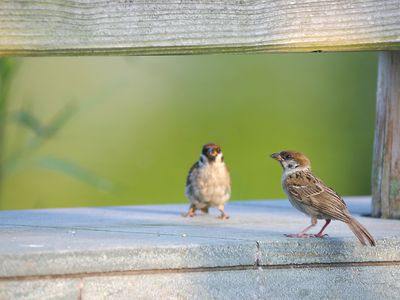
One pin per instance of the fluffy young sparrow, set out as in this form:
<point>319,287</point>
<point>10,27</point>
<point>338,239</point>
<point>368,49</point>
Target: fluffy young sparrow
<point>208,183</point>
<point>310,195</point>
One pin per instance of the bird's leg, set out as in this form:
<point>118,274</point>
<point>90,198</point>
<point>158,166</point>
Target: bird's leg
<point>191,212</point>
<point>223,215</point>
<point>205,210</point>
<point>303,233</point>
<point>319,234</point>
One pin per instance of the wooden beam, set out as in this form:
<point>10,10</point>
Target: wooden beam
<point>386,160</point>
<point>137,27</point>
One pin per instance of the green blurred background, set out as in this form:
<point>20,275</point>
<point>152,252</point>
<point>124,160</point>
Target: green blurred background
<point>98,131</point>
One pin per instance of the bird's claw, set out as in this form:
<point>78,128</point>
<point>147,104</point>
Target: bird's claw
<point>321,236</point>
<point>224,217</point>
<point>306,236</point>
<point>299,235</point>
<point>189,214</point>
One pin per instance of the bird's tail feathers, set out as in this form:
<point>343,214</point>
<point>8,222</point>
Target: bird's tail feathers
<point>361,233</point>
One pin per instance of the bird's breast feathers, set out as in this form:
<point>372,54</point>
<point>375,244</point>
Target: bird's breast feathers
<point>209,182</point>
<point>213,175</point>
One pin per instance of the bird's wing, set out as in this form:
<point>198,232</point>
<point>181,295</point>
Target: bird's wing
<point>192,170</point>
<point>311,191</point>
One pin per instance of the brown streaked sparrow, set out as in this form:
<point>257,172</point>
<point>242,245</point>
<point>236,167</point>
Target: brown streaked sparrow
<point>313,197</point>
<point>208,183</point>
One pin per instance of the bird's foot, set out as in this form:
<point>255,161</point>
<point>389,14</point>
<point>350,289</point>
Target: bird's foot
<point>189,214</point>
<point>299,235</point>
<point>321,236</point>
<point>204,210</point>
<point>224,216</point>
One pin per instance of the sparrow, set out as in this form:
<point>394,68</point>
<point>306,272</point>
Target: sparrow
<point>313,197</point>
<point>208,183</point>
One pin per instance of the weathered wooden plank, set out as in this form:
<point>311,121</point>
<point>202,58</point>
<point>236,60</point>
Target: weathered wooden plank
<point>137,27</point>
<point>386,162</point>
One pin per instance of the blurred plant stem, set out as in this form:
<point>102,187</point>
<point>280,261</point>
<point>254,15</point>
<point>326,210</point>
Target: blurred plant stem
<point>43,132</point>
<point>7,68</point>
<point>21,157</point>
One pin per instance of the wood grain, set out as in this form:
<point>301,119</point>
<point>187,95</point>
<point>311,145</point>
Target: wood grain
<point>386,161</point>
<point>137,27</point>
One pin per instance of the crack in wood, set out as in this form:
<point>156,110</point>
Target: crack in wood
<point>201,270</point>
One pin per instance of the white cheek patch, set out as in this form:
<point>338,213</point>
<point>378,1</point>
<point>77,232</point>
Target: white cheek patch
<point>219,157</point>
<point>204,160</point>
<point>292,164</point>
<point>291,167</point>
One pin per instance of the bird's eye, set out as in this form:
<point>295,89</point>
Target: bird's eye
<point>288,156</point>
<point>219,150</point>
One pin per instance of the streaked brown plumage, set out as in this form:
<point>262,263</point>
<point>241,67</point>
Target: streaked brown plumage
<point>313,197</point>
<point>208,182</point>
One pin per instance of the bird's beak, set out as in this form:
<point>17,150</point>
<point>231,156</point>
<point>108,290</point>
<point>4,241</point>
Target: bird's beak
<point>276,156</point>
<point>212,152</point>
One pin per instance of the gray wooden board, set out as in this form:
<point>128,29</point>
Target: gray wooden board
<point>136,27</point>
<point>305,283</point>
<point>78,241</point>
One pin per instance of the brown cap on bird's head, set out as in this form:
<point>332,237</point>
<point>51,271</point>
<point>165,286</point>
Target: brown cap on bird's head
<point>287,155</point>
<point>211,150</point>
